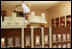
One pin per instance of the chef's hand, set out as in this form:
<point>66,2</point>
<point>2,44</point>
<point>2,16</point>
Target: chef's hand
<point>28,26</point>
<point>42,25</point>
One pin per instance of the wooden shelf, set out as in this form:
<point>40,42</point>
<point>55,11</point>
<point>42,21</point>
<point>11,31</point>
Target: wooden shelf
<point>66,20</point>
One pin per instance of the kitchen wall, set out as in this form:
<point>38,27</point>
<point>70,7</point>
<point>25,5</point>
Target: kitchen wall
<point>9,10</point>
<point>60,9</point>
<point>37,11</point>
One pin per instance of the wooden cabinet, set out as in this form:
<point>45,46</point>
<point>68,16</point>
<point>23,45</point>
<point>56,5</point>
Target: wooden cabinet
<point>11,37</point>
<point>37,38</point>
<point>61,37</point>
<point>64,21</point>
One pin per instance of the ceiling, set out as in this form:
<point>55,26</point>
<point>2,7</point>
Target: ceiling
<point>34,4</point>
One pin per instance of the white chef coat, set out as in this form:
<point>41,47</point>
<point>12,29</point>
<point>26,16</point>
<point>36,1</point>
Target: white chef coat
<point>1,19</point>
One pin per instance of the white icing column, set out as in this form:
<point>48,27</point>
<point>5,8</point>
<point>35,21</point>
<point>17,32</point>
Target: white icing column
<point>32,38</point>
<point>42,33</point>
<point>43,16</point>
<point>50,37</point>
<point>65,21</point>
<point>14,18</point>
<point>22,38</point>
<point>1,19</point>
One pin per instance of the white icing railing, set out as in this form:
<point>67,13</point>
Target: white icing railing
<point>37,19</point>
<point>21,20</point>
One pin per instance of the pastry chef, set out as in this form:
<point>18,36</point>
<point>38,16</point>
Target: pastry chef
<point>26,12</point>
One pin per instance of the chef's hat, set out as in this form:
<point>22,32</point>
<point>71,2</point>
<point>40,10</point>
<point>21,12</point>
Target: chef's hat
<point>25,8</point>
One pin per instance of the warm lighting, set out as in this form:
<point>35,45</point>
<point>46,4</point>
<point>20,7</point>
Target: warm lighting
<point>19,9</point>
<point>37,39</point>
<point>68,45</point>
<point>2,42</point>
<point>59,37</point>
<point>59,46</point>
<point>64,46</point>
<point>68,37</point>
<point>48,1</point>
<point>64,37</point>
<point>27,42</point>
<point>46,38</point>
<point>39,2</point>
<point>70,19</point>
<point>54,38</point>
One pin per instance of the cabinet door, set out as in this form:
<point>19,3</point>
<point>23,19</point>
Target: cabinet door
<point>10,43</point>
<point>27,37</point>
<point>3,38</point>
<point>10,37</point>
<point>37,38</point>
<point>17,42</point>
<point>68,20</point>
<point>46,37</point>
<point>62,21</point>
<point>3,44</point>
